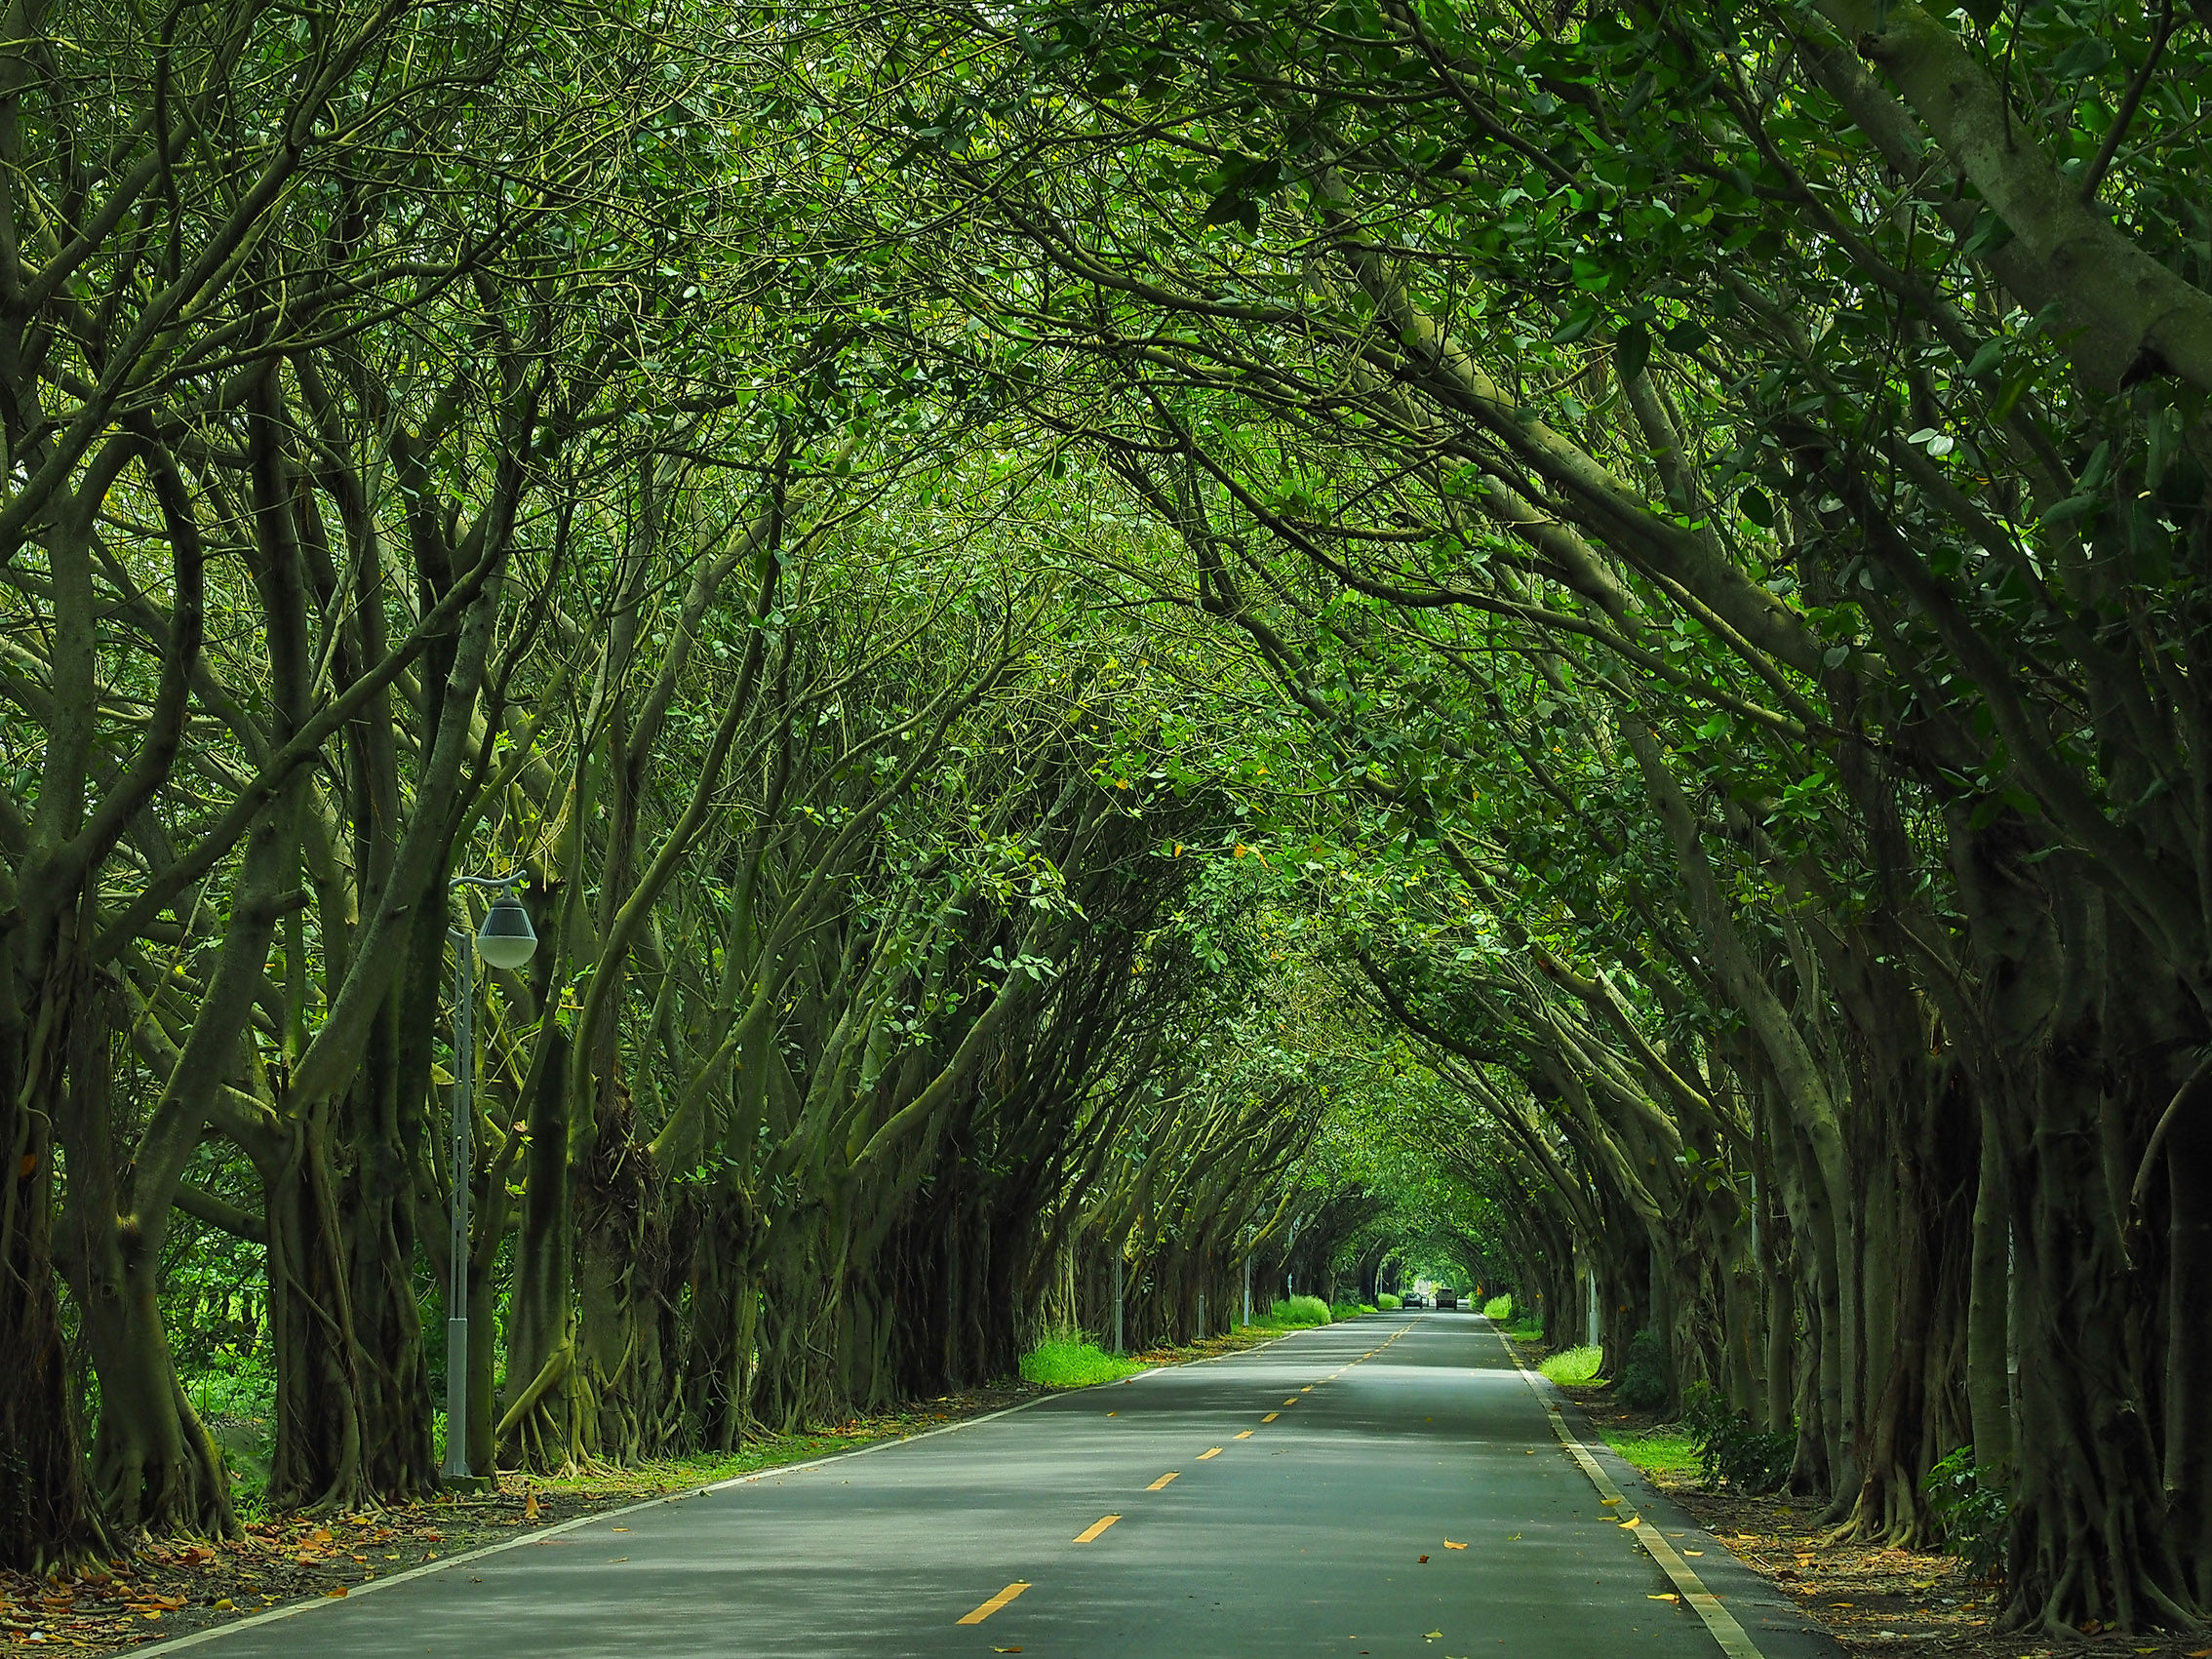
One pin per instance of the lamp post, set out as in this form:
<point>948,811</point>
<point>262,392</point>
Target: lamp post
<point>506,939</point>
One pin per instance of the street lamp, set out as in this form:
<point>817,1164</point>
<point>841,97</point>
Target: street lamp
<point>505,940</point>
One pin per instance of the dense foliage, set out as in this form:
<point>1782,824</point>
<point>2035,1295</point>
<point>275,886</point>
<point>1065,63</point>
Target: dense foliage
<point>1119,646</point>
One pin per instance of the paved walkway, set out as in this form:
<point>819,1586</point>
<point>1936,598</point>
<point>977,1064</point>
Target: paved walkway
<point>1389,1485</point>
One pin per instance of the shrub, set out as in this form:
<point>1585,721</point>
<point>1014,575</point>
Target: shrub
<point>1499,1308</point>
<point>1385,1301</point>
<point>1573,1366</point>
<point>1300,1310</point>
<point>1644,1384</point>
<point>1347,1309</point>
<point>1972,1507</point>
<point>1729,1450</point>
<point>1069,1362</point>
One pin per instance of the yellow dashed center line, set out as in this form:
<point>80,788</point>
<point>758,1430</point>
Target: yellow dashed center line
<point>1163,1479</point>
<point>1293,1400</point>
<point>994,1604</point>
<point>1244,1434</point>
<point>1203,1455</point>
<point>1094,1529</point>
<point>1270,1416</point>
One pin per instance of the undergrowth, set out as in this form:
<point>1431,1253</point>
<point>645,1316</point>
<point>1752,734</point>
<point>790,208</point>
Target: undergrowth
<point>1972,1507</point>
<point>1731,1450</point>
<point>1299,1311</point>
<point>1386,1302</point>
<point>1643,1383</point>
<point>1574,1367</point>
<point>1667,1449</point>
<point>1499,1308</point>
<point>1069,1362</point>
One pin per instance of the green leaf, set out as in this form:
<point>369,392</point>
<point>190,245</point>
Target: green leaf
<point>1990,234</point>
<point>2071,508</point>
<point>1576,326</point>
<point>1632,349</point>
<point>1754,504</point>
<point>2083,57</point>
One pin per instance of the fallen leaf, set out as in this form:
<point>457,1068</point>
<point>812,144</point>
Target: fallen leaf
<point>1449,1545</point>
<point>339,1591</point>
<point>1432,1635</point>
<point>1424,1557</point>
<point>529,1505</point>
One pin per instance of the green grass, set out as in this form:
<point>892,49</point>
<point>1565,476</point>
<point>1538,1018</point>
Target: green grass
<point>1669,1450</point>
<point>1385,1301</point>
<point>1348,1310</point>
<point>1572,1366</point>
<point>1299,1311</point>
<point>1499,1308</point>
<point>1069,1362</point>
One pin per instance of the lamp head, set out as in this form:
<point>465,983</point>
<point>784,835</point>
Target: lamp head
<point>506,939</point>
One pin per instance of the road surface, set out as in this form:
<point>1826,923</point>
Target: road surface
<point>1388,1485</point>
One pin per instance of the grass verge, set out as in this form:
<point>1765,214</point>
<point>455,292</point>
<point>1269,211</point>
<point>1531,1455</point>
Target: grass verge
<point>1069,1362</point>
<point>1666,1450</point>
<point>1573,1367</point>
<point>1296,1311</point>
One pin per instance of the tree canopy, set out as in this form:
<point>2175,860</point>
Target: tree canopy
<point>1110,646</point>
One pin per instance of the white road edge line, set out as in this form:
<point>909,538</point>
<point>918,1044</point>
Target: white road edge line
<point>446,1562</point>
<point>1720,1623</point>
<point>292,1609</point>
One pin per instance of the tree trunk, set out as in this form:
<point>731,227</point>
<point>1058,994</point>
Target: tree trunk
<point>1989,1381</point>
<point>317,1460</point>
<point>48,1517</point>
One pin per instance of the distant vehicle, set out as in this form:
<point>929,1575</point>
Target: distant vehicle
<point>1412,1299</point>
<point>1446,1298</point>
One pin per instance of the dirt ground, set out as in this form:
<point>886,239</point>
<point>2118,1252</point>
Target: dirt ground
<point>166,1590</point>
<point>1879,1603</point>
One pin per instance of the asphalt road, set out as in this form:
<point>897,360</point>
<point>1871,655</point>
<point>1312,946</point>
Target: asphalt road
<point>1277,1501</point>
